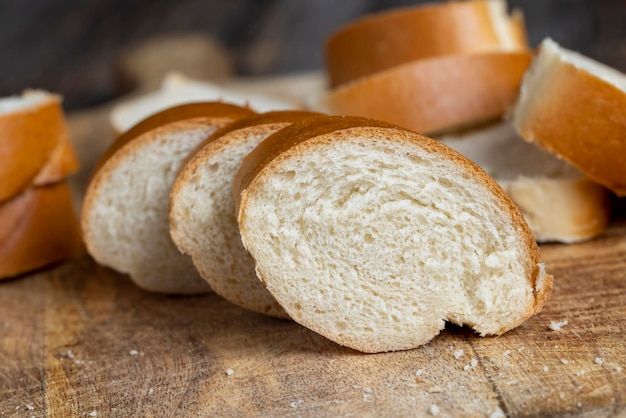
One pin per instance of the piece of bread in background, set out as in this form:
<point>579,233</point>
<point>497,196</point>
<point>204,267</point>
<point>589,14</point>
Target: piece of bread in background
<point>178,89</point>
<point>385,40</point>
<point>557,201</point>
<point>35,148</point>
<point>38,228</point>
<point>575,108</point>
<point>125,211</point>
<point>434,95</point>
<point>202,210</point>
<point>374,236</point>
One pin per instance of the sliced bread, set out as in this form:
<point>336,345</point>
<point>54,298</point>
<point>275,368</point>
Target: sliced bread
<point>375,236</point>
<point>384,40</point>
<point>125,212</point>
<point>37,228</point>
<point>557,201</point>
<point>573,107</point>
<point>202,211</point>
<point>34,143</point>
<point>436,94</point>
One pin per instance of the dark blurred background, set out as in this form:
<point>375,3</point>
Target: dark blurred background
<point>74,47</point>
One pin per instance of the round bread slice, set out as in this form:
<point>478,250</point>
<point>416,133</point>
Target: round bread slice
<point>434,95</point>
<point>375,236</point>
<point>202,211</point>
<point>574,108</point>
<point>125,212</point>
<point>38,228</point>
<point>34,143</point>
<point>384,40</point>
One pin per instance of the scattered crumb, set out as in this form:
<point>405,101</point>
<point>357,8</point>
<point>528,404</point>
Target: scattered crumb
<point>458,354</point>
<point>93,414</point>
<point>412,385</point>
<point>506,353</point>
<point>519,350</point>
<point>435,389</point>
<point>367,390</point>
<point>367,397</point>
<point>512,382</point>
<point>419,372</point>
<point>356,387</point>
<point>546,368</point>
<point>497,413</point>
<point>293,404</point>
<point>580,373</point>
<point>579,404</point>
<point>618,368</point>
<point>133,352</point>
<point>473,364</point>
<point>77,362</point>
<point>557,325</point>
<point>151,391</point>
<point>433,410</point>
<point>599,360</point>
<point>30,407</point>
<point>69,354</point>
<point>557,346</point>
<point>229,372</point>
<point>564,361</point>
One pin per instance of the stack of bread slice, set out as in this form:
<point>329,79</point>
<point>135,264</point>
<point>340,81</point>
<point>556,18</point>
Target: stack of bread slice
<point>453,70</point>
<point>38,225</point>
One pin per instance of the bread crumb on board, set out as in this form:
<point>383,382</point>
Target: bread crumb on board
<point>473,363</point>
<point>497,413</point>
<point>30,407</point>
<point>433,410</point>
<point>564,361</point>
<point>458,353</point>
<point>557,325</point>
<point>93,414</point>
<point>69,354</point>
<point>229,372</point>
<point>133,352</point>
<point>599,360</point>
<point>546,368</point>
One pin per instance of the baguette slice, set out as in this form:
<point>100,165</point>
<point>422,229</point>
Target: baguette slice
<point>557,201</point>
<point>202,211</point>
<point>384,40</point>
<point>573,107</point>
<point>374,236</point>
<point>38,228</point>
<point>34,142</point>
<point>434,95</point>
<point>125,212</point>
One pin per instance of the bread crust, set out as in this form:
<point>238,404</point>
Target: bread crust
<point>384,40</point>
<point>589,131</point>
<point>297,137</point>
<point>38,228</point>
<point>34,147</point>
<point>437,94</point>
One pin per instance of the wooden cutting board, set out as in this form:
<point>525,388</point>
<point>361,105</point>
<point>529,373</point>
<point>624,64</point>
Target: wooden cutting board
<point>80,339</point>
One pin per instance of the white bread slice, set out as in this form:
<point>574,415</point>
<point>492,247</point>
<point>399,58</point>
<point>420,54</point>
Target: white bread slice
<point>202,211</point>
<point>178,89</point>
<point>573,107</point>
<point>38,228</point>
<point>384,40</point>
<point>434,95</point>
<point>125,212</point>
<point>557,201</point>
<point>35,149</point>
<point>374,236</point>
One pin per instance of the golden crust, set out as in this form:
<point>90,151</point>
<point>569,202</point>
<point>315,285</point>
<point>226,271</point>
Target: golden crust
<point>34,148</point>
<point>437,94</point>
<point>382,41</point>
<point>38,228</point>
<point>589,131</point>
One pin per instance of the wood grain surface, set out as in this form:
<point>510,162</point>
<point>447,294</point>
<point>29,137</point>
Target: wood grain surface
<point>80,339</point>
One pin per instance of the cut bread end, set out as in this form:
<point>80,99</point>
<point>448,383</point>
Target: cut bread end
<point>374,236</point>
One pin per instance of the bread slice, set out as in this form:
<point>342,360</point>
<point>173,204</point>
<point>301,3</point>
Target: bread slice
<point>374,236</point>
<point>384,40</point>
<point>125,212</point>
<point>557,201</point>
<point>573,107</point>
<point>38,228</point>
<point>202,211</point>
<point>434,95</point>
<point>34,143</point>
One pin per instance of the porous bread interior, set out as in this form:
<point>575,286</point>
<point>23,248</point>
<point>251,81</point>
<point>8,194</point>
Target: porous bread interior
<point>204,225</point>
<point>376,243</point>
<point>537,80</point>
<point>505,156</point>
<point>128,220</point>
<point>28,99</point>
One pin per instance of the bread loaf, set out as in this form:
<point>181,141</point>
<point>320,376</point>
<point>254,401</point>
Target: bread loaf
<point>202,211</point>
<point>34,143</point>
<point>374,236</point>
<point>573,107</point>
<point>384,40</point>
<point>558,202</point>
<point>38,228</point>
<point>125,212</point>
